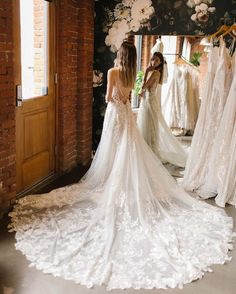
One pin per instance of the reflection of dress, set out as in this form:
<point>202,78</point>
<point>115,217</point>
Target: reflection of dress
<point>155,131</point>
<point>213,102</point>
<point>181,104</point>
<point>127,223</point>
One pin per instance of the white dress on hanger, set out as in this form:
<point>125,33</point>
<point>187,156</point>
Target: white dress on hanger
<point>126,223</point>
<point>218,80</point>
<point>155,131</point>
<point>222,162</point>
<point>181,105</point>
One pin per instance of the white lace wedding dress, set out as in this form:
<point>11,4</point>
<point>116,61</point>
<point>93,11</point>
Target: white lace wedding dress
<point>126,223</point>
<point>181,105</point>
<point>155,131</point>
<point>217,86</point>
<point>221,179</point>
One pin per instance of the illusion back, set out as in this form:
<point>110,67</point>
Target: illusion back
<point>120,93</point>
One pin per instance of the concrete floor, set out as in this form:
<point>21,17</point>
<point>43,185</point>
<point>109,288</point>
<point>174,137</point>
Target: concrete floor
<point>17,278</point>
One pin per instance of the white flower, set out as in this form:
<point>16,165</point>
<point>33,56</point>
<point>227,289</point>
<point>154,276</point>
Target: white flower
<point>202,13</point>
<point>134,25</point>
<point>116,34</point>
<point>194,17</point>
<point>193,3</point>
<point>211,9</point>
<point>97,78</point>
<point>203,7</point>
<point>142,10</point>
<point>128,3</point>
<point>122,12</point>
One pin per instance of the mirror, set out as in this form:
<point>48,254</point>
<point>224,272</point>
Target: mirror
<point>186,57</point>
<point>183,79</point>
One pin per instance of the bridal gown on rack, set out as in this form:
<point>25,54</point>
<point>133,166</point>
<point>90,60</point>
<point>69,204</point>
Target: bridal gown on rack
<point>221,173</point>
<point>155,131</point>
<point>181,105</point>
<point>126,223</point>
<point>217,85</point>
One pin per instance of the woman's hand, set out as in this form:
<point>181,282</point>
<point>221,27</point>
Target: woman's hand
<point>150,68</point>
<point>141,94</point>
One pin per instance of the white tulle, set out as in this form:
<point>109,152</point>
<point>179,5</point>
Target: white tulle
<point>126,223</point>
<point>155,131</point>
<point>217,86</point>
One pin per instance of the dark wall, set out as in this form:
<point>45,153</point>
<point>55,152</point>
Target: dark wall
<point>115,18</point>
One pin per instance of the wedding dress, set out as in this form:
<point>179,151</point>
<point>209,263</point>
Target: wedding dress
<point>155,131</point>
<point>217,85</point>
<point>181,105</point>
<point>222,162</point>
<point>126,223</point>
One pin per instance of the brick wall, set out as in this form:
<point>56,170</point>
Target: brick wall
<point>75,27</point>
<point>7,107</point>
<point>39,47</point>
<point>85,80</point>
<point>148,41</point>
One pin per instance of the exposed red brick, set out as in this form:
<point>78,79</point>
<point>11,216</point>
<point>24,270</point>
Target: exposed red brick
<point>7,107</point>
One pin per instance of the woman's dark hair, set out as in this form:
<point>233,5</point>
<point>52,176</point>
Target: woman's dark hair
<point>160,67</point>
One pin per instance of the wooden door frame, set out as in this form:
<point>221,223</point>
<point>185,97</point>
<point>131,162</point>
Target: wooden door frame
<point>52,70</point>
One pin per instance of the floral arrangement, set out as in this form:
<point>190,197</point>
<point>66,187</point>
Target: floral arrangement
<point>203,10</point>
<point>129,15</point>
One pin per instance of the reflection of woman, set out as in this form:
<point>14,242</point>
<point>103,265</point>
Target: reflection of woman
<point>151,121</point>
<point>127,224</point>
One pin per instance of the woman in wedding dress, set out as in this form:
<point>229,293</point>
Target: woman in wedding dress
<point>126,223</point>
<point>150,120</point>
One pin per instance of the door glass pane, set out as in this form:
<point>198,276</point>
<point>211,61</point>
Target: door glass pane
<point>34,47</point>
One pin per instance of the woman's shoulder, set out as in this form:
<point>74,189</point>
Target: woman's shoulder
<point>113,70</point>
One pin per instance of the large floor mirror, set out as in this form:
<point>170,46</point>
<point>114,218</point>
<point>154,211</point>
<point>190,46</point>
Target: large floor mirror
<point>183,82</point>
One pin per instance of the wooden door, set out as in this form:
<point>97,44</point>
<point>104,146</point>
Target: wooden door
<point>35,91</point>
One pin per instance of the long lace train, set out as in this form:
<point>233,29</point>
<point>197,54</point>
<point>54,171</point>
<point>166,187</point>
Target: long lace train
<point>126,223</point>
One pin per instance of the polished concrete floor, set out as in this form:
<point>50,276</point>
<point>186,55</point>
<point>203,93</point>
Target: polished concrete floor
<point>17,278</point>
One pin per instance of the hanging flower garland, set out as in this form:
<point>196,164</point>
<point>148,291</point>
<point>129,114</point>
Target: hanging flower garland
<point>129,15</point>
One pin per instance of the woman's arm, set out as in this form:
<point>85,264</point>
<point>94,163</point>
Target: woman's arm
<point>155,75</point>
<point>110,83</point>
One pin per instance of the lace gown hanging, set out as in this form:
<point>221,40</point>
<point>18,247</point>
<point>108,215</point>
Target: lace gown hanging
<point>181,105</point>
<point>217,85</point>
<point>155,131</point>
<point>126,223</point>
<point>222,162</point>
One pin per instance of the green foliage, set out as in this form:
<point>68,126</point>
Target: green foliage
<point>138,82</point>
<point>195,59</point>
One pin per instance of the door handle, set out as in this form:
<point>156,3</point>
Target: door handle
<point>19,95</point>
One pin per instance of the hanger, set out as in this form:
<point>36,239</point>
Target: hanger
<point>182,61</point>
<point>221,30</point>
<point>230,31</point>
